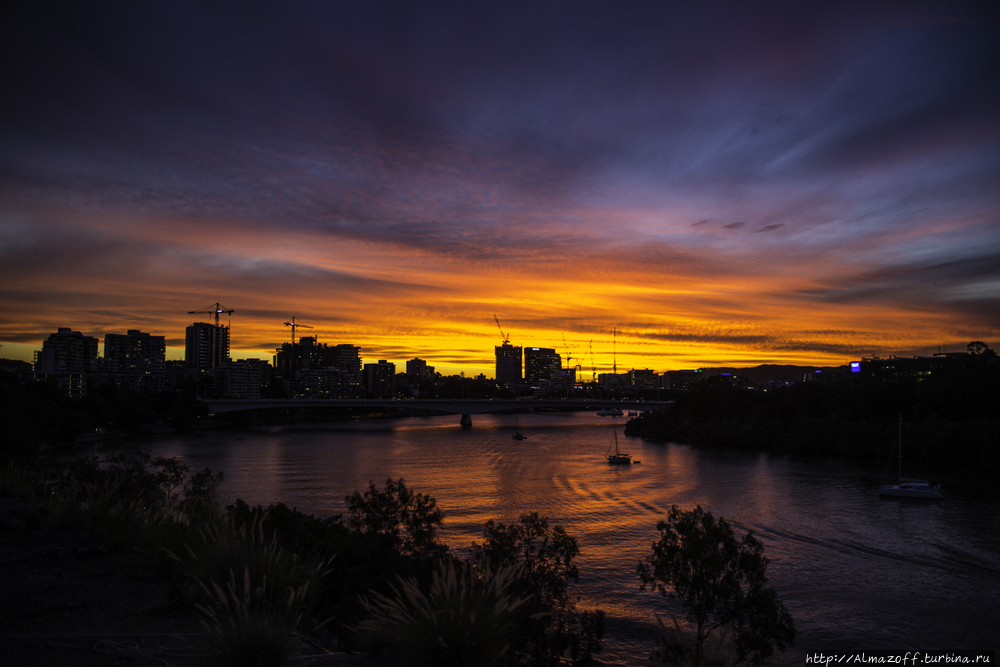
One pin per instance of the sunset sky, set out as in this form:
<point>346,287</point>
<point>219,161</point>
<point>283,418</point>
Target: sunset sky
<point>725,183</point>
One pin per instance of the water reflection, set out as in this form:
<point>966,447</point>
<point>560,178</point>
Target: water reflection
<point>855,571</point>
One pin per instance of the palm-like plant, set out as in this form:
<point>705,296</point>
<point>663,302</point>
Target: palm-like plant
<point>467,617</point>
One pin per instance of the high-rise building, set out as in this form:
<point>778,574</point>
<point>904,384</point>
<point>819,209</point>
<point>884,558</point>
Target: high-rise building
<point>308,354</point>
<point>290,360</point>
<point>136,360</point>
<point>643,379</point>
<point>540,363</point>
<point>346,358</point>
<point>379,380</point>
<point>206,346</point>
<point>326,383</point>
<point>681,380</point>
<point>66,357</point>
<point>416,367</point>
<point>508,363</point>
<point>240,379</point>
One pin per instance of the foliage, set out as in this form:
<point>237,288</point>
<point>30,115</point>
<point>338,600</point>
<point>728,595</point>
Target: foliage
<point>719,580</point>
<point>128,474</point>
<point>254,590</point>
<point>295,530</point>
<point>220,548</point>
<point>38,414</point>
<point>468,617</point>
<point>546,556</point>
<point>201,498</point>
<point>248,627</point>
<point>125,499</point>
<point>978,347</point>
<point>407,520</point>
<point>719,649</point>
<point>856,417</point>
<point>364,561</point>
<point>17,482</point>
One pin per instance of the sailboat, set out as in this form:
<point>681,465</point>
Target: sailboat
<point>618,457</point>
<point>906,487</point>
<point>517,433</point>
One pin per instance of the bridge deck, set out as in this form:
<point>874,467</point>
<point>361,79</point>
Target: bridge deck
<point>464,407</point>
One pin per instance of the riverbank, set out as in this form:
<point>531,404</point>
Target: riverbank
<point>106,560</point>
<point>70,601</point>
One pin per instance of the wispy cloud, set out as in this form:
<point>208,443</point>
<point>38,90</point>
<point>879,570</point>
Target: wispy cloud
<point>720,182</point>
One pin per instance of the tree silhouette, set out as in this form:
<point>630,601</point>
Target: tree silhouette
<point>978,347</point>
<point>408,520</point>
<point>720,580</point>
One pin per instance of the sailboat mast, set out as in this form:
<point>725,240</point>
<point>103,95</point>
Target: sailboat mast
<point>614,351</point>
<point>900,447</point>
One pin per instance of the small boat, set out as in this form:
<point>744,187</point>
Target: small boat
<point>610,412</point>
<point>618,457</point>
<point>906,487</point>
<point>915,488</point>
<point>517,433</point>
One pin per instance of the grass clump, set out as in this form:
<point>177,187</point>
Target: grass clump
<point>16,482</point>
<point>467,616</point>
<point>254,593</point>
<point>251,627</point>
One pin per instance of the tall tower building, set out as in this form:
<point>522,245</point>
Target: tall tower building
<point>417,367</point>
<point>380,379</point>
<point>136,360</point>
<point>540,363</point>
<point>206,346</point>
<point>347,358</point>
<point>66,357</point>
<point>508,363</point>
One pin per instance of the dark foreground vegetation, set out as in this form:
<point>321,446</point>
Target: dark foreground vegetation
<point>950,419</point>
<point>265,580</point>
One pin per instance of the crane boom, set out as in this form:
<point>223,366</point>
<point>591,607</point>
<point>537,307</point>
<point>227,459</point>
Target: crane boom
<point>569,353</point>
<point>294,324</point>
<point>505,337</point>
<point>217,309</point>
<point>593,367</point>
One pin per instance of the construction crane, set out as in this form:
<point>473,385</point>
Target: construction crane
<point>569,356</point>
<point>614,350</point>
<point>294,324</point>
<point>593,367</point>
<point>217,309</point>
<point>506,337</point>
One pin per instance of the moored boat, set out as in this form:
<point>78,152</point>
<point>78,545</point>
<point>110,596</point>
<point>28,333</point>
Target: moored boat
<point>912,489</point>
<point>517,433</point>
<point>909,488</point>
<point>618,457</point>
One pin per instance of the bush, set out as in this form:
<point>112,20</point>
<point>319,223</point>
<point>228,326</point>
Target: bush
<point>254,591</point>
<point>127,499</point>
<point>407,520</point>
<point>468,616</point>
<point>721,581</point>
<point>556,627</point>
<point>249,627</point>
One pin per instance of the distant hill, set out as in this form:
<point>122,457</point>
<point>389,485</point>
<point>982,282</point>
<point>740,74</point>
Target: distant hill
<point>772,372</point>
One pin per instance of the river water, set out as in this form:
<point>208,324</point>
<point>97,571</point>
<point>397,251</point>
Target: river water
<point>857,573</point>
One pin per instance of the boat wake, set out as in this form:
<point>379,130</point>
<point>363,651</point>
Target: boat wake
<point>950,560</point>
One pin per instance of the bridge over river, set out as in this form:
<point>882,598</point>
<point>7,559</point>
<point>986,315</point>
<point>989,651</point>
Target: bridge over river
<point>464,407</point>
